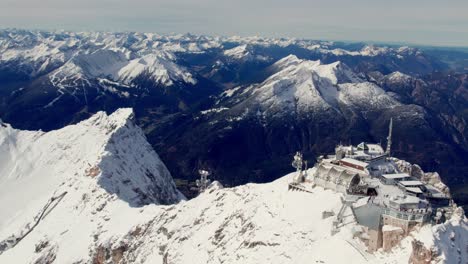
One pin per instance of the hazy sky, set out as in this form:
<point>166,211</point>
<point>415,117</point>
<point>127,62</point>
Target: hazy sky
<point>431,22</point>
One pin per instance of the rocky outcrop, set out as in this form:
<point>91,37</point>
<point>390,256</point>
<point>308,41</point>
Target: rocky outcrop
<point>391,237</point>
<point>432,178</point>
<point>421,254</point>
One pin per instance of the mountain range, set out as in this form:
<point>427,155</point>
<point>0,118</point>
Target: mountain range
<point>242,106</point>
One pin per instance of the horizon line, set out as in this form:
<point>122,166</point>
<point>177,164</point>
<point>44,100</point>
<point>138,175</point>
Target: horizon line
<point>368,41</point>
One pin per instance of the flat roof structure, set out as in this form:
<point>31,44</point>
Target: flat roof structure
<point>414,190</point>
<point>396,176</point>
<point>405,199</point>
<point>411,183</point>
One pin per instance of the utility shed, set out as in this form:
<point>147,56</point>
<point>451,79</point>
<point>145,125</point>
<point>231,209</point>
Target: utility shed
<point>336,178</point>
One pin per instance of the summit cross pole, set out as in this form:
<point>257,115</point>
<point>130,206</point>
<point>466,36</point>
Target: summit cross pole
<point>203,182</point>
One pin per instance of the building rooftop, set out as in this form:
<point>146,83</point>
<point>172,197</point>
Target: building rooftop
<point>405,199</point>
<point>435,193</point>
<point>355,162</point>
<point>396,176</point>
<point>364,150</point>
<point>414,190</point>
<point>411,183</point>
<point>375,149</point>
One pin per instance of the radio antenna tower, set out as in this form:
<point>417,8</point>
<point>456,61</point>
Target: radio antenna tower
<point>389,138</point>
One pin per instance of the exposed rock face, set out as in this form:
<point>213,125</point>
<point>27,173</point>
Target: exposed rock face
<point>420,254</point>
<point>391,237</point>
<point>412,169</point>
<point>432,178</point>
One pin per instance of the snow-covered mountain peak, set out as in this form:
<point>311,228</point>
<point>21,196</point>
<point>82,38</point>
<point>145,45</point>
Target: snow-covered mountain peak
<point>244,52</point>
<point>371,50</point>
<point>102,63</point>
<point>287,61</point>
<point>398,77</point>
<point>116,120</point>
<point>308,88</point>
<point>159,68</point>
<point>115,65</point>
<point>305,85</point>
<point>238,52</point>
<point>336,72</point>
<point>103,161</point>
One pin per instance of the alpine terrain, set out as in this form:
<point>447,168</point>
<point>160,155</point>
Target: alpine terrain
<point>242,106</point>
<point>97,192</point>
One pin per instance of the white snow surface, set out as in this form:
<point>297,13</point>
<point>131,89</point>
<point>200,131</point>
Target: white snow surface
<point>104,164</point>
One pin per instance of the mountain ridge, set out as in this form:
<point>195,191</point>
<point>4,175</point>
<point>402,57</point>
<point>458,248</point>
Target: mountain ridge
<point>91,152</point>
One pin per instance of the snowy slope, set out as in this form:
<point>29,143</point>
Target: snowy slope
<point>255,223</point>
<point>97,168</point>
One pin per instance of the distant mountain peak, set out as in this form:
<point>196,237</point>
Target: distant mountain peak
<point>160,69</point>
<point>244,52</point>
<point>113,64</point>
<point>305,87</point>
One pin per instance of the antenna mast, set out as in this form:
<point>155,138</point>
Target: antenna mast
<point>389,138</point>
